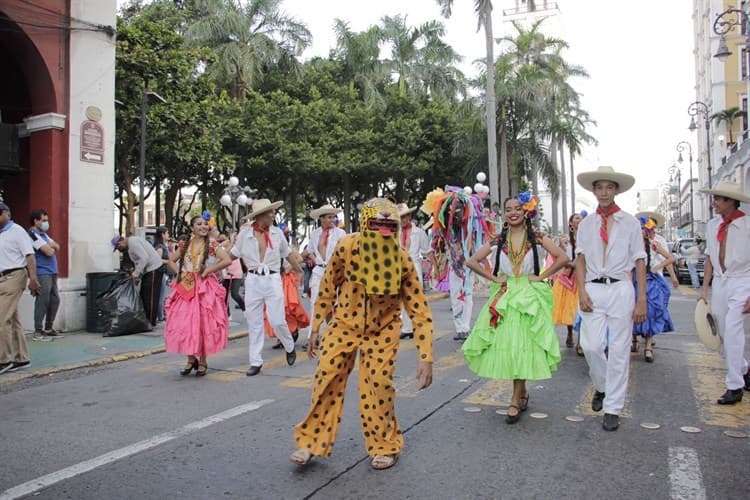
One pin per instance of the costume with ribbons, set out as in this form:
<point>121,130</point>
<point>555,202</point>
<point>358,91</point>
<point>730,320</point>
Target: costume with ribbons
<point>197,322</point>
<point>658,292</point>
<point>565,294</point>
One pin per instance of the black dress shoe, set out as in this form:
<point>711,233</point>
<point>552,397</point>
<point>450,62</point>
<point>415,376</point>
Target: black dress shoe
<point>291,357</point>
<point>611,422</point>
<point>461,336</point>
<point>253,370</point>
<point>406,335</point>
<point>190,367</point>
<point>730,397</point>
<point>597,401</point>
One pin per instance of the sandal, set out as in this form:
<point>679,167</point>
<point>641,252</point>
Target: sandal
<point>525,402</point>
<point>569,340</point>
<point>382,462</point>
<point>648,354</point>
<point>579,350</point>
<point>512,419</point>
<point>191,365</point>
<point>301,456</point>
<point>634,346</point>
<point>199,372</point>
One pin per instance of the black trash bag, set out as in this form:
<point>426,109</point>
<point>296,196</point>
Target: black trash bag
<point>124,310</point>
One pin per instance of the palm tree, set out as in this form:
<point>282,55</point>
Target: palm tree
<point>359,54</point>
<point>248,38</point>
<point>420,60</point>
<point>483,10</point>
<point>728,116</point>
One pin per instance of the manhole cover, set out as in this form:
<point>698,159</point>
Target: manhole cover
<point>472,409</point>
<point>650,425</point>
<point>538,415</point>
<point>574,418</point>
<point>735,434</point>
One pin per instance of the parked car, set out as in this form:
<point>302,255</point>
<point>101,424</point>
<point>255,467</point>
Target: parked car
<point>678,250</point>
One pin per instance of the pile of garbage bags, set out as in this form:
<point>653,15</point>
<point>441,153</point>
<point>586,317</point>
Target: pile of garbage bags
<point>123,308</point>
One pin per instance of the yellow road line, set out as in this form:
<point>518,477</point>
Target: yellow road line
<point>492,393</point>
<point>707,377</point>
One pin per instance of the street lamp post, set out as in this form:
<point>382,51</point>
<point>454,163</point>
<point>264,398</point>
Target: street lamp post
<point>701,108</point>
<point>235,196</point>
<point>145,94</point>
<point>682,146</point>
<point>675,175</point>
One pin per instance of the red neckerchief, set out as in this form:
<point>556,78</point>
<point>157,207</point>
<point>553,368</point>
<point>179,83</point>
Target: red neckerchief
<point>266,234</point>
<point>326,231</point>
<point>405,233</point>
<point>725,221</point>
<point>603,230</point>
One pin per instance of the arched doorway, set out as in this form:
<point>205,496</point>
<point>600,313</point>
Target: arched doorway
<point>33,130</point>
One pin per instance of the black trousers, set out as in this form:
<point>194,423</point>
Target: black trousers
<point>151,293</point>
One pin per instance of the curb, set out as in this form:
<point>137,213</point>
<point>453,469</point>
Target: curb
<point>15,377</point>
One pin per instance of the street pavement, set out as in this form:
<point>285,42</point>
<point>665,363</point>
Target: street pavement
<point>136,429</point>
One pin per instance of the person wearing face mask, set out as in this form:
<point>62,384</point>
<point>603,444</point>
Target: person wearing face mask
<point>47,300</point>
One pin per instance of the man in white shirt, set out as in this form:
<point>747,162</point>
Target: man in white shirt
<point>323,242</point>
<point>17,263</point>
<point>148,271</point>
<point>609,244</point>
<point>727,269</point>
<point>262,246</point>
<point>414,241</point>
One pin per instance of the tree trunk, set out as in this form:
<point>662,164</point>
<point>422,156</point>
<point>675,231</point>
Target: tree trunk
<point>170,196</point>
<point>572,185</point>
<point>563,186</point>
<point>293,207</point>
<point>496,189</point>
<point>347,202</point>
<point>554,193</point>
<point>508,183</point>
<point>157,208</point>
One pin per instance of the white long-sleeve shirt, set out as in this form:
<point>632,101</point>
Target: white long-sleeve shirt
<point>624,248</point>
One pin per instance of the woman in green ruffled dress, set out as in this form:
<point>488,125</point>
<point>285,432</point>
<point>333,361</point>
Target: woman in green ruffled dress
<point>514,337</point>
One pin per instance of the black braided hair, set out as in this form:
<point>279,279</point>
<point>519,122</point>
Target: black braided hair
<point>647,246</point>
<point>503,238</point>
<point>572,234</point>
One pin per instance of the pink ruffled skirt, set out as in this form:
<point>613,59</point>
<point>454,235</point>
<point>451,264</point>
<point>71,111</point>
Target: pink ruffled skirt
<point>197,326</point>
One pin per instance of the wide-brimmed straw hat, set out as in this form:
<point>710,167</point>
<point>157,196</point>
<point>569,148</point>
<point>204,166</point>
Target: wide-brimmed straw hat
<point>403,209</point>
<point>263,205</point>
<point>657,217</point>
<point>324,210</point>
<point>705,324</point>
<point>623,181</point>
<point>729,190</point>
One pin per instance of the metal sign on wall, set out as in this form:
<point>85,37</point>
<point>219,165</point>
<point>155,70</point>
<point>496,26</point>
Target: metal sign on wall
<point>92,142</point>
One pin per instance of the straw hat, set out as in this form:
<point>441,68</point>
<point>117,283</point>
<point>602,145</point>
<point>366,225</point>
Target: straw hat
<point>658,218</point>
<point>262,206</point>
<point>623,181</point>
<point>403,209</point>
<point>705,323</point>
<point>729,190</point>
<point>324,210</point>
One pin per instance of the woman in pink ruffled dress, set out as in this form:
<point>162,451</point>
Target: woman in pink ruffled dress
<point>197,323</point>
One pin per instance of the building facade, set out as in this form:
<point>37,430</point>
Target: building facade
<point>58,133</point>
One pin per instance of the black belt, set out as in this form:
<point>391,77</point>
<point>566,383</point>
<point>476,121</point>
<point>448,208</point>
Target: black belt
<point>604,281</point>
<point>8,271</point>
<point>261,273</point>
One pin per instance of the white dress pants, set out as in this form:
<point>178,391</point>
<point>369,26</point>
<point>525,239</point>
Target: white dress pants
<point>461,308</point>
<point>406,324</point>
<point>727,300</point>
<point>613,309</point>
<point>315,278</point>
<point>259,291</point>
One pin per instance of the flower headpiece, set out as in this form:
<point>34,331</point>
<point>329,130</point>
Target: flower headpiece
<point>584,213</point>
<point>529,203</point>
<point>647,222</point>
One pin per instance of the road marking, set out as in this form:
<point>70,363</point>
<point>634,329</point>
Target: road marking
<point>408,388</point>
<point>707,372</point>
<point>685,476</point>
<point>42,482</point>
<point>492,393</point>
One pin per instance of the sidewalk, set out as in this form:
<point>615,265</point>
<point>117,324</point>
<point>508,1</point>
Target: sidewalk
<point>82,349</point>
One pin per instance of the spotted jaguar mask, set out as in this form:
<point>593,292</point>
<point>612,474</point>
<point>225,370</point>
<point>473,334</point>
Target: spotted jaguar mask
<point>379,266</point>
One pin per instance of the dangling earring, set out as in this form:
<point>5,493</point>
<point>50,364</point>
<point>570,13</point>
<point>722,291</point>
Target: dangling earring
<point>570,227</point>
<point>506,225</point>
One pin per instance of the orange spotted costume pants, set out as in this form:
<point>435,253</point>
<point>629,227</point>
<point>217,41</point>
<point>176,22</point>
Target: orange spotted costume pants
<point>338,353</point>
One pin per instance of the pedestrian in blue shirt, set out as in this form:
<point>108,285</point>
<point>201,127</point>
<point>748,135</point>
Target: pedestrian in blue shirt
<point>48,299</point>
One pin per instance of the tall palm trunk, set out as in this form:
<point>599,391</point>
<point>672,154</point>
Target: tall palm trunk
<point>572,185</point>
<point>563,186</point>
<point>496,188</point>
<point>554,193</point>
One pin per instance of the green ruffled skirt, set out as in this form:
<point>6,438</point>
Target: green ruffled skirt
<point>523,345</point>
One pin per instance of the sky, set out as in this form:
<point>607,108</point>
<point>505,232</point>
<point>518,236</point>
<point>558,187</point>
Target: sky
<point>639,55</point>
